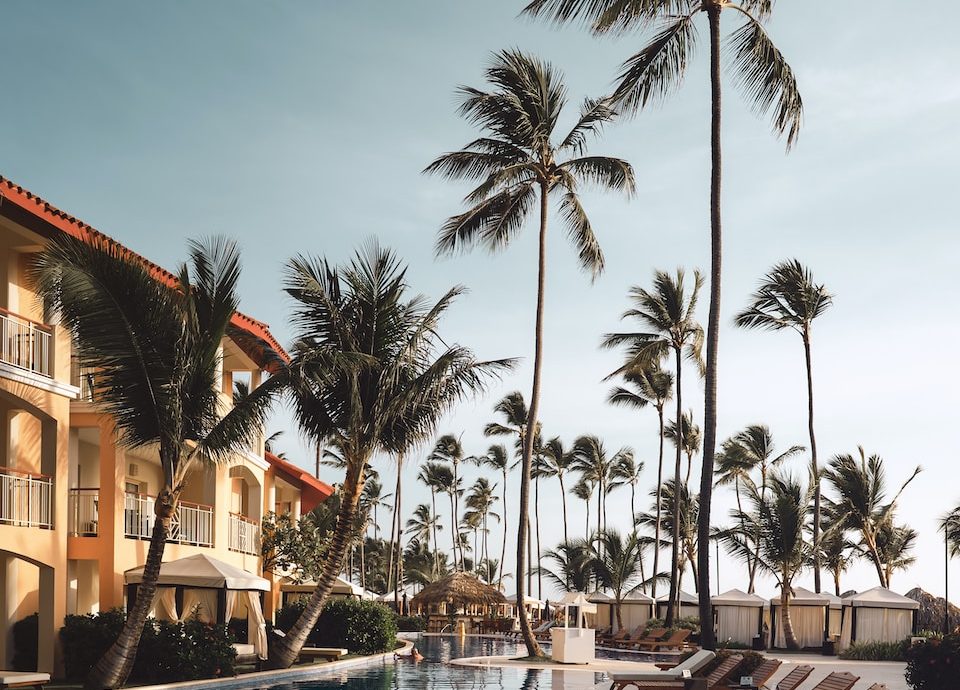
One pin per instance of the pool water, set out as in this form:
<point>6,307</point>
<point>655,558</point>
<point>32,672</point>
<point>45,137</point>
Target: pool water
<point>434,673</point>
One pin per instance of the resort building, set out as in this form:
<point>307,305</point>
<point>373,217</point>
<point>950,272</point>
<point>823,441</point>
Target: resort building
<point>76,510</point>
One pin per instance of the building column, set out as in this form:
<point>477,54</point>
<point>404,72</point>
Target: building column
<point>53,609</point>
<point>111,507</point>
<point>8,597</point>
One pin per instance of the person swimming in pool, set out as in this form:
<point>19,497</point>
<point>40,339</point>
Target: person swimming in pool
<point>414,655</point>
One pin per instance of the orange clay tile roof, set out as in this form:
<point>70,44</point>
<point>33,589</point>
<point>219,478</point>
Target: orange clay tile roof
<point>312,490</point>
<point>54,219</point>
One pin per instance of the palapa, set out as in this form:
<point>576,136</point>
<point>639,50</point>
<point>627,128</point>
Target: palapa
<point>458,590</point>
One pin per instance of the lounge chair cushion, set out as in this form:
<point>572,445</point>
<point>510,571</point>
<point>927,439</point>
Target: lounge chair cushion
<point>9,678</point>
<point>693,664</point>
<point>244,649</point>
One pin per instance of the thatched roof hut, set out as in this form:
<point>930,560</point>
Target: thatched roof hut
<point>458,590</point>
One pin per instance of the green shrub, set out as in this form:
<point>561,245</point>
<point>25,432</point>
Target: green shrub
<point>876,651</point>
<point>25,639</point>
<point>934,664</point>
<point>411,623</point>
<point>363,627</point>
<point>691,623</point>
<point>168,652</point>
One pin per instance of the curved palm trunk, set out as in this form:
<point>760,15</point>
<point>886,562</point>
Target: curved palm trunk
<point>503,549</point>
<point>814,466</point>
<point>536,515</point>
<point>436,543</point>
<point>786,621</point>
<point>563,498</point>
<point>115,665</point>
<point>285,650</point>
<point>533,647</point>
<point>713,333</point>
<point>656,531</point>
<point>743,525</point>
<point>454,534</point>
<point>675,546</point>
<point>756,536</point>
<point>399,547</point>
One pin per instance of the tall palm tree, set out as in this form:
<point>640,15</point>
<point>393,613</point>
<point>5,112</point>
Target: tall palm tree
<point>753,449</point>
<point>395,377</point>
<point>436,477</point>
<point>894,544</point>
<point>374,498</point>
<point>481,499</point>
<point>768,83</point>
<point>521,165</point>
<point>448,449</point>
<point>688,508</point>
<point>626,471</point>
<point>732,468</point>
<point>496,458</point>
<point>783,550</point>
<point>788,297</point>
<point>669,313</point>
<point>837,553</point>
<point>573,565</point>
<point>583,490</point>
<point>590,459</point>
<point>423,525</point>
<point>860,485</point>
<point>648,385</point>
<point>156,347</point>
<point>616,563</point>
<point>557,460</point>
<point>688,435</point>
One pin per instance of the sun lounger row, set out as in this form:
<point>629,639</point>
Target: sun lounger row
<point>654,640</point>
<point>722,676</point>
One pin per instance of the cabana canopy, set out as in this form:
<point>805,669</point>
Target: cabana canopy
<point>808,615</point>
<point>459,590</point>
<point>341,588</point>
<point>578,599</point>
<point>739,616</point>
<point>527,600</point>
<point>881,598</point>
<point>735,597</point>
<point>685,598</point>
<point>877,615</point>
<point>201,572</point>
<point>599,598</point>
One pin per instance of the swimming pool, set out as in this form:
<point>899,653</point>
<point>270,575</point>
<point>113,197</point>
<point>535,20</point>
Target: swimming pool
<point>433,673</point>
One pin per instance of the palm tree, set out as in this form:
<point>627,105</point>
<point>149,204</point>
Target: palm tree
<point>859,507</point>
<point>783,550</point>
<point>270,441</point>
<point>753,449</point>
<point>670,314</point>
<point>520,164</point>
<point>591,461</point>
<point>837,553</point>
<point>421,525</point>
<point>626,472</point>
<point>496,458</point>
<point>573,565</point>
<point>616,563</point>
<point>437,478</point>
<point>393,380</point>
<point>688,508</point>
<point>156,346</point>
<point>788,297</point>
<point>481,500</point>
<point>649,76</point>
<point>374,498</point>
<point>556,461</point>
<point>688,436</point>
<point>648,385</point>
<point>894,544</point>
<point>448,449</point>
<point>583,490</point>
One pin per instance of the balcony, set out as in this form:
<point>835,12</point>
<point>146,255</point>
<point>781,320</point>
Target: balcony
<point>83,517</point>
<point>26,499</point>
<point>191,524</point>
<point>25,344</point>
<point>244,535</point>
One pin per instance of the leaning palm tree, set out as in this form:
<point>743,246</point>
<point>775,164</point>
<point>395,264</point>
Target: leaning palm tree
<point>860,485</point>
<point>753,449</point>
<point>669,313</point>
<point>648,385</point>
<point>616,563</point>
<point>788,297</point>
<point>398,378</point>
<point>649,76</point>
<point>687,434</point>
<point>155,344</point>
<point>783,550</point>
<point>521,165</point>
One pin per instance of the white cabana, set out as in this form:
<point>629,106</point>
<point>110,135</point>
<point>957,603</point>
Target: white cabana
<point>291,591</point>
<point>738,616</point>
<point>214,591</point>
<point>689,606</point>
<point>810,616</point>
<point>636,609</point>
<point>877,615</point>
<point>604,615</point>
<point>531,604</point>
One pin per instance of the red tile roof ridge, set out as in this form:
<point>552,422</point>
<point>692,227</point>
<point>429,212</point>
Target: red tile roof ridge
<point>320,489</point>
<point>81,230</point>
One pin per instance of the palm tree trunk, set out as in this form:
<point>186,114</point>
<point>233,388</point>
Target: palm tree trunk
<point>503,549</point>
<point>785,620</point>
<point>563,498</point>
<point>454,535</point>
<point>285,650</point>
<point>656,532</point>
<point>533,647</point>
<point>743,525</point>
<point>675,546</point>
<point>436,543</point>
<point>586,522</point>
<point>814,466</point>
<point>115,665</point>
<point>836,583</point>
<point>536,514</point>
<point>713,333</point>
<point>398,514</point>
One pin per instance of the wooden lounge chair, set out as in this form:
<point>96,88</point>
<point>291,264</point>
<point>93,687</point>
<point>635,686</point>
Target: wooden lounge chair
<point>653,635</point>
<point>721,673</point>
<point>325,653</point>
<point>761,674</point>
<point>838,680</point>
<point>678,639</point>
<point>796,676</point>
<point>629,640</point>
<point>543,632</point>
<point>23,679</point>
<point>877,686</point>
<point>663,679</point>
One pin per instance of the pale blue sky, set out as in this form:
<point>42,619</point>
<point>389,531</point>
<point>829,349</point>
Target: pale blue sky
<point>302,127</point>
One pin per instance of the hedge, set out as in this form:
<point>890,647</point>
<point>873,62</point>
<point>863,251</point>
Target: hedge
<point>362,627</point>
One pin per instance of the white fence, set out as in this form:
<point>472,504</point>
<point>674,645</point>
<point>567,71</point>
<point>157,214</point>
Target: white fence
<point>83,519</point>
<point>192,523</point>
<point>244,535</point>
<point>25,344</point>
<point>26,500</point>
